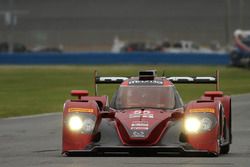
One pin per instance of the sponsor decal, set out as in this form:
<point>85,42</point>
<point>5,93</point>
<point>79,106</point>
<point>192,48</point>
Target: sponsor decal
<point>145,82</point>
<point>211,110</point>
<point>138,134</point>
<point>139,128</point>
<point>139,125</point>
<point>140,113</point>
<point>191,79</point>
<point>81,110</point>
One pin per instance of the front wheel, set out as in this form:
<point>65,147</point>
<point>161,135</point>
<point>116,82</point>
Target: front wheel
<point>225,149</point>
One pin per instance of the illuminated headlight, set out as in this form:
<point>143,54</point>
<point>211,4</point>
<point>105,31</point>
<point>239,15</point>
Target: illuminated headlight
<point>75,123</point>
<point>88,125</point>
<point>192,125</point>
<point>197,124</point>
<point>81,124</point>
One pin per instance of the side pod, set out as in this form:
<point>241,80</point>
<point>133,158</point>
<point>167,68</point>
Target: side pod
<point>202,125</point>
<point>81,119</point>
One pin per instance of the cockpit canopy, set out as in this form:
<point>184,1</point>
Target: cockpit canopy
<point>144,96</point>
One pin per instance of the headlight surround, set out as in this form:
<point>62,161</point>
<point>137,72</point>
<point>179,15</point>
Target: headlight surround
<point>88,125</point>
<point>83,123</point>
<point>196,123</point>
<point>206,124</point>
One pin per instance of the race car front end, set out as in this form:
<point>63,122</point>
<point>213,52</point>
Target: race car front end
<point>147,116</point>
<point>149,132</point>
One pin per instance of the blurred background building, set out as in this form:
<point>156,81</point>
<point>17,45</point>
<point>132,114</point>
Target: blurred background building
<point>92,25</point>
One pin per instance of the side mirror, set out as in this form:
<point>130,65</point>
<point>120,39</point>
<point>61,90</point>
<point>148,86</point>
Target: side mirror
<point>177,115</point>
<point>106,108</point>
<point>79,93</point>
<point>107,114</point>
<point>213,94</point>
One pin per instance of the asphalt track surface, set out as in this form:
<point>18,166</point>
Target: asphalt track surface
<point>36,141</point>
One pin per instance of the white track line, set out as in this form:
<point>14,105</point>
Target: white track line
<point>32,116</point>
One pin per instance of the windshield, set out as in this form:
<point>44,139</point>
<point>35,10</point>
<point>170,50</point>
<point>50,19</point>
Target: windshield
<point>145,97</point>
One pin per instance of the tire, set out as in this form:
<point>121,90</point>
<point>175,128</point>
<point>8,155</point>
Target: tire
<point>225,149</point>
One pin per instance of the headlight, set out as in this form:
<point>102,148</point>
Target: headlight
<point>81,123</point>
<point>75,123</point>
<point>193,124</point>
<point>88,125</point>
<point>206,124</point>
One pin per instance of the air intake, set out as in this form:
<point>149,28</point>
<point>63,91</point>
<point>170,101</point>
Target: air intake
<point>147,75</point>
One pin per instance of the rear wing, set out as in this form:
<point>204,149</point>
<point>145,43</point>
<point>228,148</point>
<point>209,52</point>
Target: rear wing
<point>173,79</point>
<point>110,80</point>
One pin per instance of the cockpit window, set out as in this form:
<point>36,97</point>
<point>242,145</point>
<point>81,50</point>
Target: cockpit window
<point>145,97</point>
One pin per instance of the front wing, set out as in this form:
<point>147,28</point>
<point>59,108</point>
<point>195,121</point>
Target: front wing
<point>174,150</point>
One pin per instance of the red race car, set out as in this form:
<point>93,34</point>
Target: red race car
<point>147,116</point>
